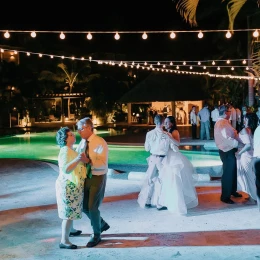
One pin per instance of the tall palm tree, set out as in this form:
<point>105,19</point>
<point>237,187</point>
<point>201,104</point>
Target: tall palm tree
<point>81,76</point>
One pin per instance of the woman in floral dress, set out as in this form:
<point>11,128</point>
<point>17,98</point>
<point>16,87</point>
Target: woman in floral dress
<point>69,185</point>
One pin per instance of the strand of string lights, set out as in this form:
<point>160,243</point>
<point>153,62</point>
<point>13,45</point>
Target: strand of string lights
<point>160,66</point>
<point>172,33</point>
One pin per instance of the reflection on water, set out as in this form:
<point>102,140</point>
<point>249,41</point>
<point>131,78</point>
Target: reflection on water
<point>198,148</point>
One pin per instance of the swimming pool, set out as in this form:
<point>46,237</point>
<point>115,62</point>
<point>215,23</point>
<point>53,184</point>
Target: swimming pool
<point>42,146</point>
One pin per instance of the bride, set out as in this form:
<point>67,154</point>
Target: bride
<point>178,191</point>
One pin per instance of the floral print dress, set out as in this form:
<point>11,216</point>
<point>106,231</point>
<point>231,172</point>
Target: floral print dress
<point>69,186</point>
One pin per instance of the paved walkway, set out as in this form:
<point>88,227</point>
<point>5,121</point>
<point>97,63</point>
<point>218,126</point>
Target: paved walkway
<point>30,228</point>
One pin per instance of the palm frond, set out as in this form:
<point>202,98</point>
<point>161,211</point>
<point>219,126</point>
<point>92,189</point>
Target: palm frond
<point>233,8</point>
<point>187,9</point>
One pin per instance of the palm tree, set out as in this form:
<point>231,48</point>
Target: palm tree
<point>81,76</point>
<point>188,10</point>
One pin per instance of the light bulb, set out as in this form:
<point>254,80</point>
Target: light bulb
<point>204,67</point>
<point>213,62</point>
<point>177,67</point>
<point>117,36</point>
<point>200,35</point>
<point>172,35</point>
<point>228,61</point>
<point>62,35</point>
<point>158,63</point>
<point>228,34</point>
<point>144,36</point>
<point>191,67</point>
<point>89,36</point>
<point>232,68</point>
<point>171,63</point>
<point>256,34</point>
<point>51,56</point>
<point>28,54</point>
<point>40,55</point>
<point>33,34</point>
<point>82,58</point>
<point>90,58</point>
<point>218,68</point>
<point>244,61</point>
<point>7,35</point>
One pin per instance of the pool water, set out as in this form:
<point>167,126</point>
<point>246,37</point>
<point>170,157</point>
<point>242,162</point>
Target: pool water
<point>42,146</point>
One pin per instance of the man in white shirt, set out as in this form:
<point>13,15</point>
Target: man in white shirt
<point>95,184</point>
<point>204,115</point>
<point>193,121</point>
<point>256,163</point>
<point>214,115</point>
<point>226,140</point>
<point>157,142</point>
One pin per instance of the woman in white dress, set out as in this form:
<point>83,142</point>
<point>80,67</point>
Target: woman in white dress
<point>69,185</point>
<point>245,174</point>
<point>177,176</point>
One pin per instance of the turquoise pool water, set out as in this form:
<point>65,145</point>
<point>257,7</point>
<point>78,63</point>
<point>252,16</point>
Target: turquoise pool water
<point>42,146</point>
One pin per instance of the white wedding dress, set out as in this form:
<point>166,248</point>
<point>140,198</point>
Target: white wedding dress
<point>175,188</point>
<point>245,174</point>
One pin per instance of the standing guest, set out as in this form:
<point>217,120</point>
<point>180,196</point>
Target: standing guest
<point>214,115</point>
<point>233,116</point>
<point>69,185</point>
<point>97,166</point>
<point>239,123</point>
<point>193,121</point>
<point>226,141</point>
<point>258,114</point>
<point>204,116</point>
<point>245,174</point>
<point>256,162</point>
<point>178,191</point>
<point>157,142</point>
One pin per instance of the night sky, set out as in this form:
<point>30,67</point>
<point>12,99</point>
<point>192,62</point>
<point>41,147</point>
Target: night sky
<point>119,15</point>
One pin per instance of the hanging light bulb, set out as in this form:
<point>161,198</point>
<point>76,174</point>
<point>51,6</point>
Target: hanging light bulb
<point>218,68</point>
<point>177,67</point>
<point>199,63</point>
<point>172,35</point>
<point>164,66</point>
<point>228,61</point>
<point>73,58</point>
<point>158,63</point>
<point>204,67</point>
<point>89,36</point>
<point>28,54</point>
<point>7,35</point>
<point>33,34</point>
<point>200,35</point>
<point>228,35</point>
<point>191,67</point>
<point>117,36</point>
<point>247,68</point>
<point>232,68</point>
<point>62,35</point>
<point>51,56</point>
<point>40,55</point>
<point>145,63</point>
<point>184,63</point>
<point>90,58</point>
<point>244,61</point>
<point>82,58</point>
<point>213,62</point>
<point>144,36</point>
<point>171,63</point>
<point>255,33</point>
<point>62,57</point>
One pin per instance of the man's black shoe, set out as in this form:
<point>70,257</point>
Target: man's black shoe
<point>228,201</point>
<point>162,208</point>
<point>93,241</point>
<point>237,195</point>
<point>75,234</point>
<point>105,227</point>
<point>148,205</point>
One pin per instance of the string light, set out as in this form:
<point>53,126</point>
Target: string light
<point>151,63</point>
<point>33,34</point>
<point>172,35</point>
<point>200,35</point>
<point>7,35</point>
<point>256,34</point>
<point>89,36</point>
<point>117,36</point>
<point>144,36</point>
<point>228,35</point>
<point>62,35</point>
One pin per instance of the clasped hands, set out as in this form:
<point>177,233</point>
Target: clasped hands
<point>83,158</point>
